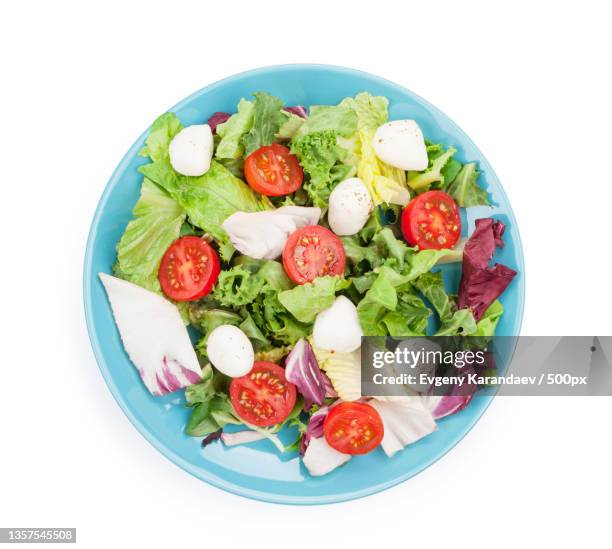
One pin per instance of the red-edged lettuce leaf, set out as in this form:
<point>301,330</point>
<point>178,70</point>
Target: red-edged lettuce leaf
<point>480,284</point>
<point>302,369</point>
<point>216,119</point>
<point>298,110</point>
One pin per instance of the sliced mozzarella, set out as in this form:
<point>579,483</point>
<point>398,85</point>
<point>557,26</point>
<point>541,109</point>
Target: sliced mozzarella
<point>262,235</point>
<point>230,351</point>
<point>153,336</point>
<point>337,328</point>
<point>191,150</point>
<point>320,458</point>
<point>350,205</point>
<point>401,144</point>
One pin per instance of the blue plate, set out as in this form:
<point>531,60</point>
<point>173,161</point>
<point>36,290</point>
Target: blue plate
<point>257,470</point>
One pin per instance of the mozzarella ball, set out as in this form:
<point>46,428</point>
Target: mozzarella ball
<point>230,351</point>
<point>191,150</point>
<point>350,206</point>
<point>337,328</point>
<point>401,144</point>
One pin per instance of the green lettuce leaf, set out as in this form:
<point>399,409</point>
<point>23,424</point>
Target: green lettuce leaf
<point>280,326</point>
<point>431,286</point>
<point>390,307</point>
<point>254,333</point>
<point>290,126</point>
<point>209,199</point>
<point>410,317</point>
<point>340,120</point>
<point>371,110</point>
<point>210,406</point>
<point>267,121</point>
<point>486,326</point>
<point>438,159</point>
<point>306,301</point>
<point>461,323</point>
<point>382,246</point>
<point>421,262</point>
<point>208,316</point>
<point>157,221</point>
<point>233,131</point>
<point>465,190</point>
<point>162,131</point>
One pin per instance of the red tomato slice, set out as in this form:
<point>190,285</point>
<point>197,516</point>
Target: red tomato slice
<point>273,171</point>
<point>189,269</point>
<point>432,221</point>
<point>264,396</point>
<point>353,428</point>
<point>311,252</point>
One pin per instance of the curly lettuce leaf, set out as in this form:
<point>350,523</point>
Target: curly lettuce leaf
<point>157,221</point>
<point>465,190</point>
<point>306,301</point>
<point>236,287</point>
<point>232,132</point>
<point>321,157</point>
<point>267,121</point>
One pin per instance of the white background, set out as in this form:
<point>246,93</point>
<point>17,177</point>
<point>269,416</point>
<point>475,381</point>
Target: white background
<point>529,82</point>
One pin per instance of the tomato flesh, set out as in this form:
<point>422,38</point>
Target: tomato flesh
<point>189,269</point>
<point>272,170</point>
<point>353,428</point>
<point>263,397</point>
<point>313,251</point>
<point>432,221</point>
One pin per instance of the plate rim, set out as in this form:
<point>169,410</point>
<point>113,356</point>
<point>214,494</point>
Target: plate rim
<point>201,473</point>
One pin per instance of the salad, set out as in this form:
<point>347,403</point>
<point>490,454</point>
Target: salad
<point>275,237</point>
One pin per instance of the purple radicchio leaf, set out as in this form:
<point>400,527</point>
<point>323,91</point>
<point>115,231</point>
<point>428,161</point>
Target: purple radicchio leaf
<point>302,369</point>
<point>299,111</point>
<point>480,284</point>
<point>211,438</point>
<point>314,429</point>
<point>216,119</point>
<point>457,396</point>
<point>172,377</point>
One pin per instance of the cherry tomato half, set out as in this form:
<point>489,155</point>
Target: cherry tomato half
<point>264,396</point>
<point>353,428</point>
<point>189,269</point>
<point>272,170</point>
<point>432,221</point>
<point>313,251</point>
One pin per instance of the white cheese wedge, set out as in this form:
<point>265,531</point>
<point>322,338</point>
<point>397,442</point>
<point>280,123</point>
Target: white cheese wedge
<point>153,335</point>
